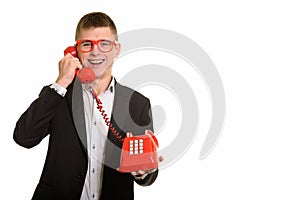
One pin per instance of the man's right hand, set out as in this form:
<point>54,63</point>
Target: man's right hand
<point>67,66</point>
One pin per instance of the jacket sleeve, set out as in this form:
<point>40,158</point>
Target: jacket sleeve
<point>148,180</point>
<point>147,122</point>
<point>34,123</point>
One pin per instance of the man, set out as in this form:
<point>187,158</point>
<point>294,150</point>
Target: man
<point>84,153</point>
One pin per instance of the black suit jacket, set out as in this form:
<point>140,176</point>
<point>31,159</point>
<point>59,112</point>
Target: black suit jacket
<point>66,163</point>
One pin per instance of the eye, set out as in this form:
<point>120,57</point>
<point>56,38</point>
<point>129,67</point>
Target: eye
<point>86,44</point>
<point>105,43</point>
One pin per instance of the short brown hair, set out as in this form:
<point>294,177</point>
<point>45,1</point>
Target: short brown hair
<point>96,19</point>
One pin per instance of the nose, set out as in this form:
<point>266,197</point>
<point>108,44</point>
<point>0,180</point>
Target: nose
<point>95,50</point>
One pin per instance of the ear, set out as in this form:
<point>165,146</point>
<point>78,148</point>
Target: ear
<point>117,50</point>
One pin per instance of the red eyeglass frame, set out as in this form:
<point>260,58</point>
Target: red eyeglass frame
<point>95,42</point>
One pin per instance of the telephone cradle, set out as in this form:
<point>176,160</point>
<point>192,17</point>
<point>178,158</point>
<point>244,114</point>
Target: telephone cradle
<point>139,153</point>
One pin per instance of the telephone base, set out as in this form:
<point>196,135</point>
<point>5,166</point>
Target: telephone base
<point>139,162</point>
<point>139,153</point>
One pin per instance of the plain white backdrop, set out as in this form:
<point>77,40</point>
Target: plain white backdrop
<point>255,46</point>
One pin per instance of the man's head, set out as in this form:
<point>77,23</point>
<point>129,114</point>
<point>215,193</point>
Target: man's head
<point>94,20</point>
<point>96,42</point>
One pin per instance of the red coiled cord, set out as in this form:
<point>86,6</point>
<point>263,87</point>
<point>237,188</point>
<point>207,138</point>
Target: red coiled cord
<point>106,119</point>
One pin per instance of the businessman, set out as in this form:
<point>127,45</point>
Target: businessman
<point>84,153</point>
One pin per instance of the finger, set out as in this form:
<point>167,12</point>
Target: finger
<point>68,55</point>
<point>134,173</point>
<point>74,62</point>
<point>142,172</point>
<point>77,64</point>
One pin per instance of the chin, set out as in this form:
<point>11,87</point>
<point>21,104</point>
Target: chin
<point>98,70</point>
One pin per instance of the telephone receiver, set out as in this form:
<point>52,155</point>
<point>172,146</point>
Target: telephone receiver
<point>139,153</point>
<point>85,75</point>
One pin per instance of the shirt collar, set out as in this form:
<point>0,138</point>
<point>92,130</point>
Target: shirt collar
<point>110,88</point>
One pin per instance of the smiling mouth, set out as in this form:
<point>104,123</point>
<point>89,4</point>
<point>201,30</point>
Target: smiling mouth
<point>96,62</point>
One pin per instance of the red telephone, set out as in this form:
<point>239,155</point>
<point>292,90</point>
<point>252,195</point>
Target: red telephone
<point>138,152</point>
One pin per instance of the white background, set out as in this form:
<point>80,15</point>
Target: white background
<point>255,46</point>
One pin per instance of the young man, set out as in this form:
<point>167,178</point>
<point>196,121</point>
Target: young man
<point>84,153</point>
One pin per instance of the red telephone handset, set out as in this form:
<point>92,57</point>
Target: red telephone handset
<point>72,50</point>
<point>85,75</point>
<point>138,152</point>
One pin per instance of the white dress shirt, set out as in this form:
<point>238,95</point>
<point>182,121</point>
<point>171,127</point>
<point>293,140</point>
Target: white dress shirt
<point>96,130</point>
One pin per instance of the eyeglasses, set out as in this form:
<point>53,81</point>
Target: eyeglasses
<point>86,46</point>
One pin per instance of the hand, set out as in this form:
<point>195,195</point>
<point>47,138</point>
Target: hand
<point>141,174</point>
<point>67,66</point>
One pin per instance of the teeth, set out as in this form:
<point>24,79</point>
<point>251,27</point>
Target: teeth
<point>96,62</point>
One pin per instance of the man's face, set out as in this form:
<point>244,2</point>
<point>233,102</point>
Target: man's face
<point>100,62</point>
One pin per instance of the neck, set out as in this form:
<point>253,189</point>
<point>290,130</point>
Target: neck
<point>102,83</point>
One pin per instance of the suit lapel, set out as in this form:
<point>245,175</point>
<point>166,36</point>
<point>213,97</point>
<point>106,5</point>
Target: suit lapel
<point>75,98</point>
<point>120,112</point>
<point>118,119</point>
